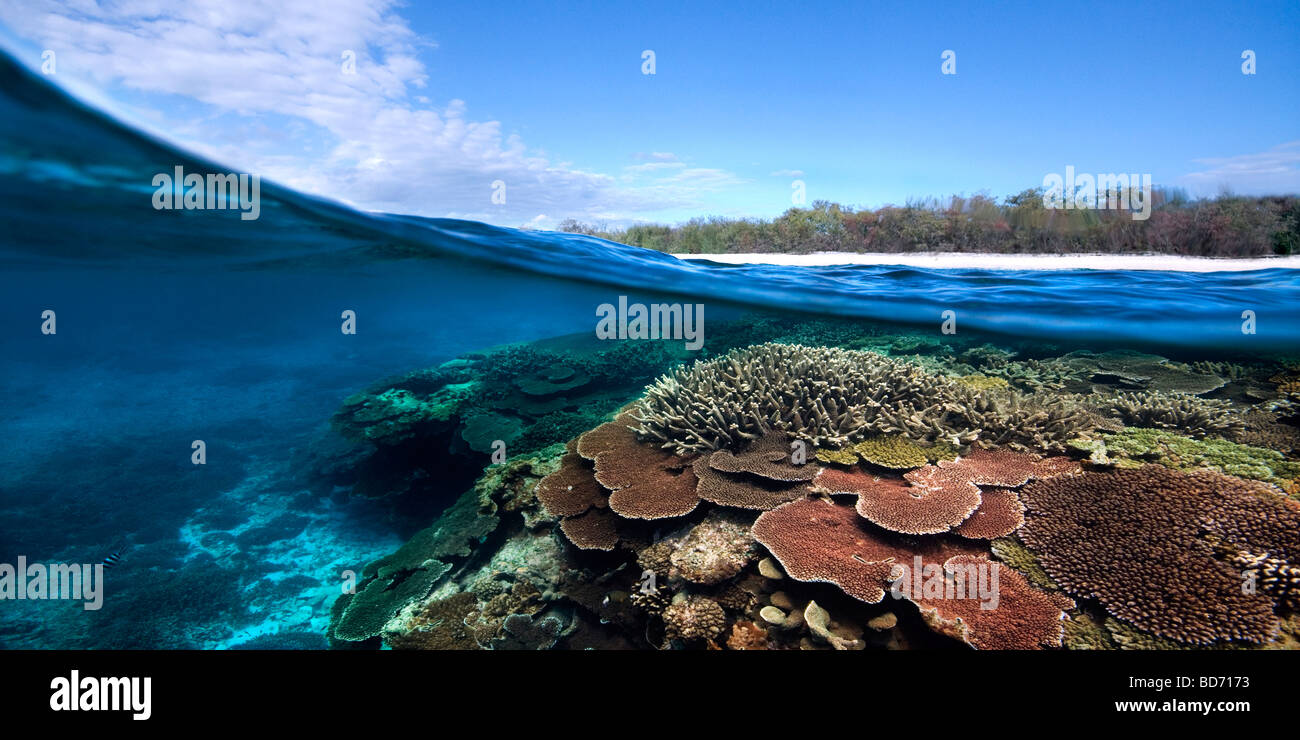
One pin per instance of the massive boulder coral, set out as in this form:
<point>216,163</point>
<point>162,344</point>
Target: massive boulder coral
<point>1159,548</point>
<point>694,618</point>
<point>832,397</point>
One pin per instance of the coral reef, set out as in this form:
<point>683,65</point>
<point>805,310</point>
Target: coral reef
<point>397,414</point>
<point>688,518</point>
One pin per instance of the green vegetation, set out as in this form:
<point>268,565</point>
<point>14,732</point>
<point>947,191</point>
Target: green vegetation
<point>1227,226</point>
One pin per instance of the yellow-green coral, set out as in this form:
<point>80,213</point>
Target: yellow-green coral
<point>1129,637</point>
<point>845,456</point>
<point>891,451</point>
<point>1083,633</point>
<point>888,451</point>
<point>982,382</point>
<point>1010,551</point>
<point>1186,454</point>
<point>942,450</point>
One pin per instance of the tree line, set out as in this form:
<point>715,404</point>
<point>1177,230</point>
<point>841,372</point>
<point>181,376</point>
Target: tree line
<point>1226,226</point>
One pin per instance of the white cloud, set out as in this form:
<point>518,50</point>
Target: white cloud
<point>787,173</point>
<point>275,100</point>
<point>1272,172</point>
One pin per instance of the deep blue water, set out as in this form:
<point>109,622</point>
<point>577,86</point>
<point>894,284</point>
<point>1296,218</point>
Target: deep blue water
<point>180,325</point>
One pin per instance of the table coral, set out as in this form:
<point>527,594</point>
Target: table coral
<point>766,457</point>
<point>1024,618</point>
<point>930,501</point>
<point>597,529</point>
<point>644,482</point>
<point>572,489</point>
<point>820,541</point>
<point>742,491</point>
<point>939,498</point>
<point>999,514</point>
<point>1149,543</point>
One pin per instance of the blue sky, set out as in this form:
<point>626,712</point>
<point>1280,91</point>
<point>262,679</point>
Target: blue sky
<point>848,98</point>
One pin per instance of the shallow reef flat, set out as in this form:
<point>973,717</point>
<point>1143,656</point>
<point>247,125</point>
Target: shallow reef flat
<point>826,486</point>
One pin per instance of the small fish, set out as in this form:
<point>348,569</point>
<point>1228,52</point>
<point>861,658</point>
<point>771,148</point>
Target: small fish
<point>112,559</point>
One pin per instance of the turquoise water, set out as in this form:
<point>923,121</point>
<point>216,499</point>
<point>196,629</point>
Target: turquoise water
<point>183,325</point>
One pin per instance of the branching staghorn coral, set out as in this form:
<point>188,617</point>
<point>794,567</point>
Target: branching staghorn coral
<point>1189,415</point>
<point>831,397</point>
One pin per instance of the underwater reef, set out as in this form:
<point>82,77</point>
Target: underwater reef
<point>823,486</point>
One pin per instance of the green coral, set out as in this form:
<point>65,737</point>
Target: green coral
<point>1183,453</point>
<point>1010,551</point>
<point>366,612</point>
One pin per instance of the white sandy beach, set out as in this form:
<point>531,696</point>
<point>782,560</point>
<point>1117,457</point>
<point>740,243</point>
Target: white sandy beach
<point>959,260</point>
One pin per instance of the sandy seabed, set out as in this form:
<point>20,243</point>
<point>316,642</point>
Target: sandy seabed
<point>965,260</point>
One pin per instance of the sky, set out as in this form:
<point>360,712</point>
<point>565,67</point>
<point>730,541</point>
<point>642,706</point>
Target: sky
<point>528,113</point>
